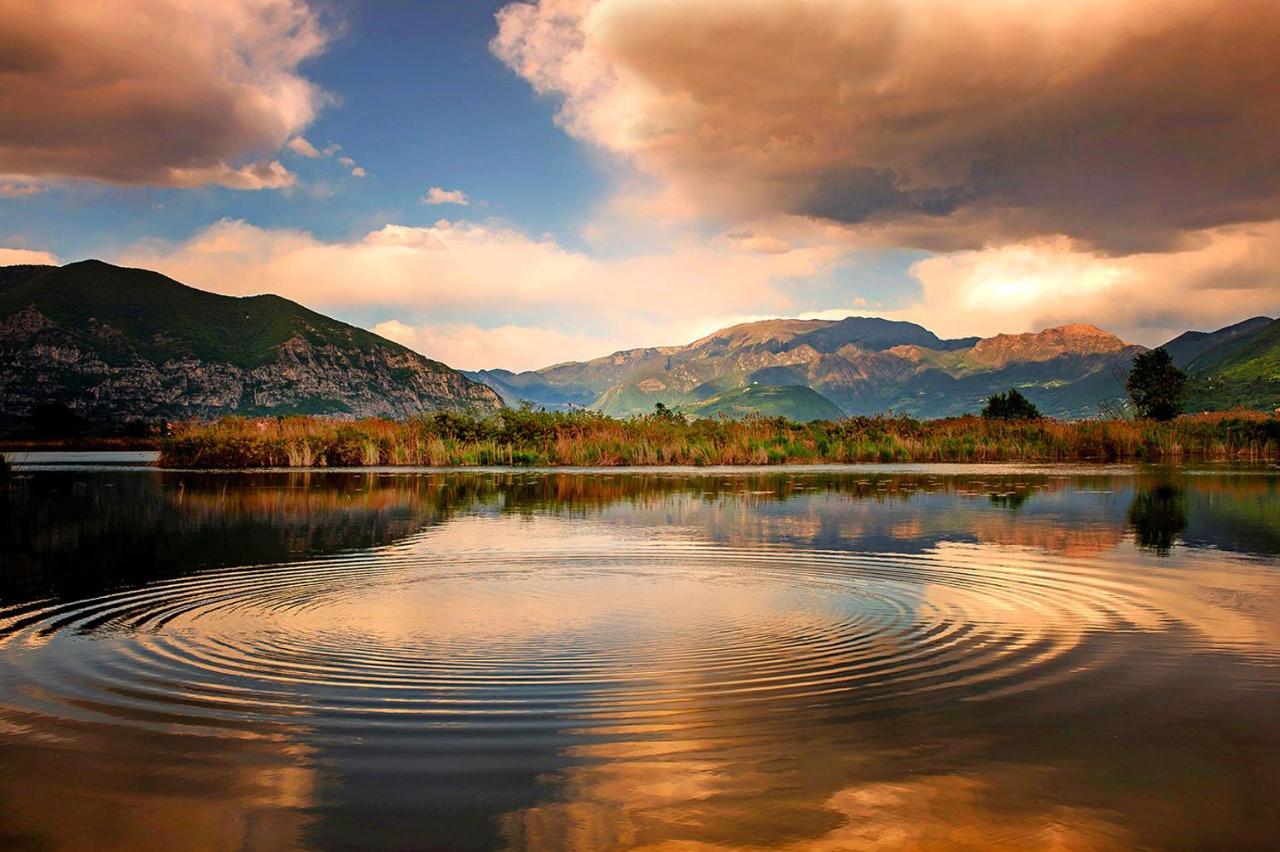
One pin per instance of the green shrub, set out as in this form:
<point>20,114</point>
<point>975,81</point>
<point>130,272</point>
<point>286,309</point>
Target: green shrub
<point>1010,405</point>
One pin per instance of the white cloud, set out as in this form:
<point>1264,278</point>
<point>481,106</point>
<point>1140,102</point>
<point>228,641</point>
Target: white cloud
<point>484,294</point>
<point>437,195</point>
<point>496,276</point>
<point>299,145</point>
<point>356,171</point>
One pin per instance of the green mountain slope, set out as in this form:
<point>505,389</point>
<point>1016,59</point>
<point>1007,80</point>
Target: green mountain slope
<point>794,402</point>
<point>1244,372</point>
<point>117,343</point>
<point>1191,345</point>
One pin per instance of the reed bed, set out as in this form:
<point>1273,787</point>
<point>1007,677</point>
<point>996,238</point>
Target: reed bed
<point>516,437</point>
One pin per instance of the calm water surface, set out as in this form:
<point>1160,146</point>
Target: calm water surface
<point>932,658</point>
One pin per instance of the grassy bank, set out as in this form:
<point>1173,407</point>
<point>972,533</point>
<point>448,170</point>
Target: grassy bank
<point>587,439</point>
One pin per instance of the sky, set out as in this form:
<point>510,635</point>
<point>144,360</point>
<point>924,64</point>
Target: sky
<point>518,184</point>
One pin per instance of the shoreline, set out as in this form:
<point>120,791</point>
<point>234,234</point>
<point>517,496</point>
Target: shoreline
<point>79,445</point>
<point>107,462</point>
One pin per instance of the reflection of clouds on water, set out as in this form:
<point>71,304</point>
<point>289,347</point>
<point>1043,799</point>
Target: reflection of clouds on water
<point>940,812</point>
<point>121,789</point>
<point>707,781</point>
<point>962,813</point>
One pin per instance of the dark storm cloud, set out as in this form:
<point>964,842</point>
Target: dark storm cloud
<point>1124,124</point>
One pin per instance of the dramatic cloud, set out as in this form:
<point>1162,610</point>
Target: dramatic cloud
<point>1124,125</point>
<point>154,92</point>
<point>461,274</point>
<point>437,195</point>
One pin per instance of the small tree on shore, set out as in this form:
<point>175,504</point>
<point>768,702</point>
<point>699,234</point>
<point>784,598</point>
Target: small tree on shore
<point>666,414</point>
<point>1011,405</point>
<point>1156,385</point>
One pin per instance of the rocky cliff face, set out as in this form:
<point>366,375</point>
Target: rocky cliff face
<point>1067,340</point>
<point>119,344</point>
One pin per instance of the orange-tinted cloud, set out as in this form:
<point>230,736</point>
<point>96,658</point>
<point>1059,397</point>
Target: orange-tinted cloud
<point>1224,276</point>
<point>299,145</point>
<point>425,283</point>
<point>490,270</point>
<point>148,92</point>
<point>20,256</point>
<point>469,346</point>
<point>1121,124</point>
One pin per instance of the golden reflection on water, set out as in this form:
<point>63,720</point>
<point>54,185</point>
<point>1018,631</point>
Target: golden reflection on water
<point>792,661</point>
<point>122,789</point>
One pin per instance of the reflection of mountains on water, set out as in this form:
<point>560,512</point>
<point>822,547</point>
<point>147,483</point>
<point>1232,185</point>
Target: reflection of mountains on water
<point>69,534</point>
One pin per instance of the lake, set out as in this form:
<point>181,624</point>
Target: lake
<point>908,657</point>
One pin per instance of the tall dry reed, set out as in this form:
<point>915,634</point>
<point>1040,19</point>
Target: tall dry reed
<point>524,438</point>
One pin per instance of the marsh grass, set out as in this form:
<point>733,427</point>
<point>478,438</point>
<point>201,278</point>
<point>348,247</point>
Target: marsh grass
<point>536,438</point>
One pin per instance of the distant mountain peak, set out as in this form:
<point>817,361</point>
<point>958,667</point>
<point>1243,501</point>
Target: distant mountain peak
<point>755,333</point>
<point>1075,339</point>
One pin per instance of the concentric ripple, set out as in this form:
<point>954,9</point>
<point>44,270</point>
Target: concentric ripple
<point>621,661</point>
<point>601,632</point>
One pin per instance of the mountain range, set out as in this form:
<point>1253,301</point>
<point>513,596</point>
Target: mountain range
<point>117,344</point>
<point>869,365</point>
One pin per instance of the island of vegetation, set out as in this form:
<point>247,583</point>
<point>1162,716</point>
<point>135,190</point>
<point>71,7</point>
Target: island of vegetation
<point>589,439</point>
